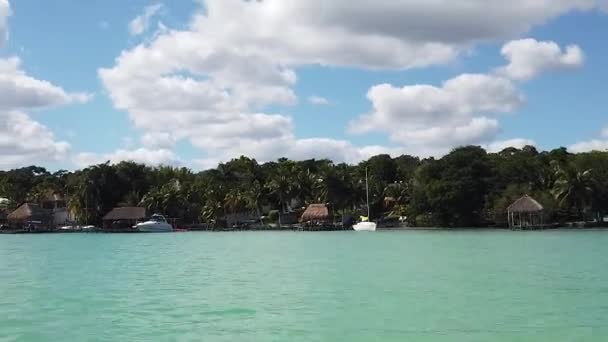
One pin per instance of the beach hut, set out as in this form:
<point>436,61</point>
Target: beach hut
<point>526,212</point>
<point>123,218</point>
<point>316,214</point>
<point>32,217</point>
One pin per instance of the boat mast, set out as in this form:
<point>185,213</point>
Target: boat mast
<point>367,192</point>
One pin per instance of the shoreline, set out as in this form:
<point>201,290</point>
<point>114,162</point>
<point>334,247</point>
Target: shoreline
<point>399,229</point>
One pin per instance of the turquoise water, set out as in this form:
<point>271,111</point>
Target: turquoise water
<point>343,286</point>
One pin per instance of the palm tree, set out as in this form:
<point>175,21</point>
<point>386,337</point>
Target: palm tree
<point>211,212</point>
<point>39,193</point>
<point>253,198</point>
<point>573,187</point>
<point>153,200</point>
<point>283,185</point>
<point>234,200</point>
<point>131,199</point>
<point>306,184</point>
<point>84,196</point>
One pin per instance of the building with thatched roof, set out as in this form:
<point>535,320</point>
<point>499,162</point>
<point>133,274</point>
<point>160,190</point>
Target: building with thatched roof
<point>526,212</point>
<point>31,216</point>
<point>316,213</point>
<point>123,218</point>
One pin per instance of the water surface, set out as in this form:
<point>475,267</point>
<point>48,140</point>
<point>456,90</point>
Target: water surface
<point>286,286</point>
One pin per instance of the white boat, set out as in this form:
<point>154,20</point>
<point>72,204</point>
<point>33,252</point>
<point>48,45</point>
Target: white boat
<point>156,224</point>
<point>88,228</point>
<point>365,225</point>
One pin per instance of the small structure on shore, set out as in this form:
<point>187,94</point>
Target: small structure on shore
<point>316,214</point>
<point>123,218</point>
<point>526,212</point>
<point>31,217</point>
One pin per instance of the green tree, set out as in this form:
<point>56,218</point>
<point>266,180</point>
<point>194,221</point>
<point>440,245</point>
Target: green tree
<point>283,183</point>
<point>573,187</point>
<point>254,197</point>
<point>453,190</point>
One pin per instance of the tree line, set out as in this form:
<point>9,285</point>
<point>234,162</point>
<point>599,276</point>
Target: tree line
<point>468,187</point>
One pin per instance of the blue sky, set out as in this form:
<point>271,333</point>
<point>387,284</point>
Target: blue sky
<point>201,82</point>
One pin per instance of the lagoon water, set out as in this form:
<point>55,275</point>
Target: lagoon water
<point>284,286</point>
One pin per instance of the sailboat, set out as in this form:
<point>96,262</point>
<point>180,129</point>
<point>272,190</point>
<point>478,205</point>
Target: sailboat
<point>365,225</point>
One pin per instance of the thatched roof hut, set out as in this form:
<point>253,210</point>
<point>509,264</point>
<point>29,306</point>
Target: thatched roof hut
<point>126,214</point>
<point>526,204</point>
<point>525,212</point>
<point>30,212</point>
<point>315,212</point>
<point>122,219</point>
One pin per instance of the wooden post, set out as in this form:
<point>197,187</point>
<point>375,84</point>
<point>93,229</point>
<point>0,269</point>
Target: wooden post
<point>520,223</point>
<point>542,218</point>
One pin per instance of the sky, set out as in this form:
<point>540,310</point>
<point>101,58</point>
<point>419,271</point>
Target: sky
<point>197,82</point>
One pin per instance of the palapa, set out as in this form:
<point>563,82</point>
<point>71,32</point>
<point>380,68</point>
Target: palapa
<point>315,212</point>
<point>126,213</point>
<point>30,212</point>
<point>525,212</point>
<point>526,204</point>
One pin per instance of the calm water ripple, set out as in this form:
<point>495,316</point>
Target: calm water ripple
<point>344,286</point>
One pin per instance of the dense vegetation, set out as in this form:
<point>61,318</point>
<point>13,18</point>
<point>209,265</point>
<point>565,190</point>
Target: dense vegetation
<point>467,187</point>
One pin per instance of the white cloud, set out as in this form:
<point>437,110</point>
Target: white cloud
<point>337,150</point>
<point>450,115</point>
<point>591,145</point>
<point>599,144</point>
<point>498,146</point>
<point>141,23</point>
<point>213,82</point>
<point>318,100</point>
<point>529,57</point>
<point>302,149</point>
<point>157,140</point>
<point>141,155</point>
<point>24,141</point>
<point>18,90</point>
<point>462,110</point>
<point>5,12</point>
<point>380,34</point>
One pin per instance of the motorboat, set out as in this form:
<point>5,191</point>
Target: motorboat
<point>156,224</point>
<point>365,225</point>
